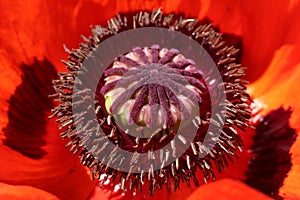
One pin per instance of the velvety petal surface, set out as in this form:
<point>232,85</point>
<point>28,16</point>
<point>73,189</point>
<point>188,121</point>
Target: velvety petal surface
<point>22,192</point>
<point>227,189</point>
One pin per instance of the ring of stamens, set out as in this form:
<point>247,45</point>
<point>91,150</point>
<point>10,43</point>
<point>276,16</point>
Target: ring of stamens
<point>183,169</point>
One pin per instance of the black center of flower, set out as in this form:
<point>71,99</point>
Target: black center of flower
<point>148,95</point>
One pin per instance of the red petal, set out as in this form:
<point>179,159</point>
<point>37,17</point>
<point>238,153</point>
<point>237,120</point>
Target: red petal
<point>33,28</point>
<point>264,26</point>
<point>226,189</point>
<point>36,29</point>
<point>23,192</point>
<point>59,172</point>
<point>279,86</point>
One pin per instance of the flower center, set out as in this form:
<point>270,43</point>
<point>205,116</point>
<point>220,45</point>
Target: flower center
<point>151,98</point>
<point>152,89</point>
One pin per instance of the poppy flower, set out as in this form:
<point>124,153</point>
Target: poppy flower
<point>32,153</point>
